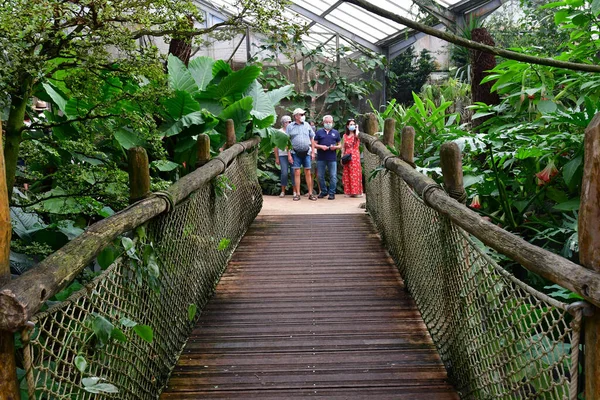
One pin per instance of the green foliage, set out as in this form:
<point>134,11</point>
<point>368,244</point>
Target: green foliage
<point>409,74</point>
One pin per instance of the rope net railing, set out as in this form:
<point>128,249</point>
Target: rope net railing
<point>498,337</point>
<point>87,347</point>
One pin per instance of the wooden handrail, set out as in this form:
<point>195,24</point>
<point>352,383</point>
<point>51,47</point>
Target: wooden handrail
<point>551,266</point>
<point>24,296</point>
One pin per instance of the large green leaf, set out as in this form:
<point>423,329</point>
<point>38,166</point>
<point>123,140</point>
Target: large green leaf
<point>233,85</point>
<point>181,104</point>
<point>212,106</point>
<point>77,108</point>
<point>220,69</point>
<point>186,121</point>
<point>201,70</point>
<point>568,205</point>
<point>239,111</point>
<point>262,107</point>
<point>56,97</point>
<point>570,169</point>
<point>180,78</point>
<point>276,95</point>
<point>128,139</point>
<point>25,223</point>
<point>279,139</point>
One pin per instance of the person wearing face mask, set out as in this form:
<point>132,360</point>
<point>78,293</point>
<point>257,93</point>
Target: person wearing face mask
<point>327,141</point>
<point>352,174</point>
<point>303,149</point>
<point>281,158</point>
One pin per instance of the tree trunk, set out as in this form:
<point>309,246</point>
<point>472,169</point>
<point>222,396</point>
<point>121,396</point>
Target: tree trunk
<point>181,45</point>
<point>13,132</point>
<point>9,389</point>
<point>480,63</point>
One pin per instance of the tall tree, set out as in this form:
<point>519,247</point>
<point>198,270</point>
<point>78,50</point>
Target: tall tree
<point>41,40</point>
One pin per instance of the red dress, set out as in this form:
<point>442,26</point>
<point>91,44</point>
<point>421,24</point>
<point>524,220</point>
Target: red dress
<point>352,175</point>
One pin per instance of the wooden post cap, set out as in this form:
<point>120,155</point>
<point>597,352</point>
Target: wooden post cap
<point>139,174</point>
<point>371,124</point>
<point>203,154</point>
<point>389,129</point>
<point>230,133</point>
<point>451,163</point>
<point>407,146</point>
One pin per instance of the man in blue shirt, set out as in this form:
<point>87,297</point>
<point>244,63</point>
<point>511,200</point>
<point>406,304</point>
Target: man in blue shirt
<point>327,140</point>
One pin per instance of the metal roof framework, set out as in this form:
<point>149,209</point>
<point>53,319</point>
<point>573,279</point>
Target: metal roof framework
<point>355,27</point>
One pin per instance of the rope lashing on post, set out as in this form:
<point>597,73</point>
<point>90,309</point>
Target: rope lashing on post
<point>168,197</point>
<point>428,188</point>
<point>222,162</point>
<point>385,160</point>
<point>458,195</point>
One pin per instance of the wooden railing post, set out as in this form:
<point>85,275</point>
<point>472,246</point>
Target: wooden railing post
<point>9,389</point>
<point>451,163</point>
<point>230,133</point>
<point>139,174</point>
<point>371,125</point>
<point>389,129</point>
<point>407,146</point>
<point>203,152</point>
<point>589,250</point>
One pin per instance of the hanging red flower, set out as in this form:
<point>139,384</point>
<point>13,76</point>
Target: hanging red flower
<point>475,202</point>
<point>546,174</point>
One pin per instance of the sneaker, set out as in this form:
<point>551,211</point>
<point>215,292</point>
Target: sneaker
<point>282,194</point>
<point>321,195</point>
<point>312,197</point>
<point>331,197</point>
<point>296,197</point>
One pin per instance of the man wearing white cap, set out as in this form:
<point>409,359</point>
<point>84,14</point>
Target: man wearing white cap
<point>301,136</point>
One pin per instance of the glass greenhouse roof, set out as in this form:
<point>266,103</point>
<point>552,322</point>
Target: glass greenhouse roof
<point>327,18</point>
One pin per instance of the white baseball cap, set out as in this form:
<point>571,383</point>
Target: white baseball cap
<point>285,118</point>
<point>298,111</point>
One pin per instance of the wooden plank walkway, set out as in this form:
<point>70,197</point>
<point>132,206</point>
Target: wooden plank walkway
<point>310,306</point>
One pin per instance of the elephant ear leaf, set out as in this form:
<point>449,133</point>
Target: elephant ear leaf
<point>263,110</point>
<point>183,111</point>
<point>233,85</point>
<point>276,95</point>
<point>201,69</point>
<point>239,112</point>
<point>180,78</point>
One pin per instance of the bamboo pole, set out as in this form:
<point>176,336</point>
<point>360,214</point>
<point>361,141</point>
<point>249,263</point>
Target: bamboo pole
<point>451,163</point>
<point>203,151</point>
<point>551,266</point>
<point>407,146</point>
<point>389,129</point>
<point>9,389</point>
<point>589,249</point>
<point>23,297</point>
<point>139,174</point>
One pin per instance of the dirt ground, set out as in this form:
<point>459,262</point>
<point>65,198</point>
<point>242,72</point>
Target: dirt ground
<point>274,205</point>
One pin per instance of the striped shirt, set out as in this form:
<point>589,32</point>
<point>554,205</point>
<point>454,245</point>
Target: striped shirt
<point>300,135</point>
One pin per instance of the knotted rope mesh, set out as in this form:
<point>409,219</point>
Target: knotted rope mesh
<point>498,337</point>
<point>192,246</point>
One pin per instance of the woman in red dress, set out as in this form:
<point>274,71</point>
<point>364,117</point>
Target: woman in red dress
<point>352,175</point>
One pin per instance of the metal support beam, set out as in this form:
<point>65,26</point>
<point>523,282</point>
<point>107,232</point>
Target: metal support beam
<point>248,54</point>
<point>336,28</point>
<point>399,46</point>
<point>445,16</point>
